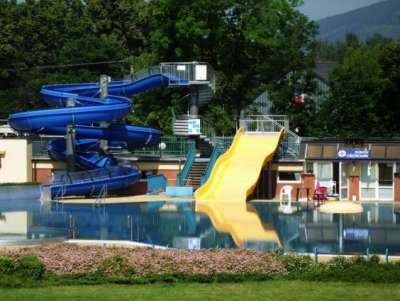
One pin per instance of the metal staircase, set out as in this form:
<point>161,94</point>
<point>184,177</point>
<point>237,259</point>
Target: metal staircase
<point>195,173</point>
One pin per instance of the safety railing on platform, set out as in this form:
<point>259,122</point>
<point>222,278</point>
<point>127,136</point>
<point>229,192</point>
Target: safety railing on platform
<point>290,145</point>
<point>170,146</point>
<point>191,72</point>
<point>190,157</point>
<point>250,125</point>
<point>180,73</point>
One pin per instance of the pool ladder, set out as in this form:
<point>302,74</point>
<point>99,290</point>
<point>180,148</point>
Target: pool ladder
<point>101,196</point>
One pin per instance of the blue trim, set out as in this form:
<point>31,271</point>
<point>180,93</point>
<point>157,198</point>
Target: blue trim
<point>190,157</point>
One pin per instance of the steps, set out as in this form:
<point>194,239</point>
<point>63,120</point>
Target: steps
<point>180,126</point>
<point>195,173</point>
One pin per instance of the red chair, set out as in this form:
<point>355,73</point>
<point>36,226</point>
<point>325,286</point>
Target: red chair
<point>321,194</point>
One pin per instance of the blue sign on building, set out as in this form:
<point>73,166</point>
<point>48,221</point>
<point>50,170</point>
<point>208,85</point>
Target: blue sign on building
<point>353,153</point>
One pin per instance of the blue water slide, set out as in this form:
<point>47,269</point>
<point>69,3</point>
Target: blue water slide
<point>99,169</point>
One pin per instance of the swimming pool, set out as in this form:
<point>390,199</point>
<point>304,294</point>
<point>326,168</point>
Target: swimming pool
<point>23,217</point>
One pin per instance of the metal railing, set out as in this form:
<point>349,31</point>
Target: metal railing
<point>290,145</point>
<point>207,129</point>
<point>190,157</point>
<point>39,148</point>
<point>180,73</point>
<point>174,147</point>
<point>183,73</point>
<point>222,143</point>
<point>213,158</point>
<point>260,125</point>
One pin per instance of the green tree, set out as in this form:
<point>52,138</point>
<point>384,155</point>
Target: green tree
<point>356,89</point>
<point>250,44</point>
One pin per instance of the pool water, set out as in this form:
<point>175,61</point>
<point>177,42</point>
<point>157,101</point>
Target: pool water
<point>23,217</point>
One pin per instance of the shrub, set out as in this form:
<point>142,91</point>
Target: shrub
<point>117,266</point>
<point>29,267</point>
<point>7,265</point>
<point>296,264</point>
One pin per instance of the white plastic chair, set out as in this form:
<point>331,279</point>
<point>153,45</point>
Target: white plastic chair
<point>285,207</point>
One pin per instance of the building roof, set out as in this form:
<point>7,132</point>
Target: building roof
<point>323,69</point>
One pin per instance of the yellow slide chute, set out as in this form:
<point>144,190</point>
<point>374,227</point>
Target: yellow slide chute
<point>236,172</point>
<point>233,178</point>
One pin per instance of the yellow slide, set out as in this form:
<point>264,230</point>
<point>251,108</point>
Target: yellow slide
<point>236,172</point>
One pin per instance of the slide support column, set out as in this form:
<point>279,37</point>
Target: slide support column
<point>104,80</point>
<point>70,141</point>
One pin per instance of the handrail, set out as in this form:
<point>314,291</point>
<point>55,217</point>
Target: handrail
<point>213,158</point>
<point>190,157</point>
<point>207,130</point>
<point>179,73</point>
<point>290,144</point>
<point>207,185</point>
<point>101,195</point>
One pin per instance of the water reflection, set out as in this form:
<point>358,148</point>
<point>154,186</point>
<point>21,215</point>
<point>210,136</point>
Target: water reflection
<point>242,222</point>
<point>186,225</point>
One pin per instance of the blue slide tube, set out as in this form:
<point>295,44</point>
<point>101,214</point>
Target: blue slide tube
<point>102,170</point>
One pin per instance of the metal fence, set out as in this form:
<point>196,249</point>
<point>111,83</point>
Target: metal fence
<point>170,146</point>
<point>289,148</point>
<point>39,148</point>
<point>189,73</point>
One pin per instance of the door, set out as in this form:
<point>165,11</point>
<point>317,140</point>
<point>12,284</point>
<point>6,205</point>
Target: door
<point>344,183</point>
<point>369,181</point>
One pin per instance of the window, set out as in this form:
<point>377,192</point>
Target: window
<point>385,174</point>
<point>285,176</point>
<point>310,167</point>
<point>324,171</point>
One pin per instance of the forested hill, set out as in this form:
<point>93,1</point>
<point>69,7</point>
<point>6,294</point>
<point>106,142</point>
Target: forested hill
<point>382,18</point>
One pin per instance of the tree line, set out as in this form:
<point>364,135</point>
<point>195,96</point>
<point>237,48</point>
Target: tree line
<point>254,45</point>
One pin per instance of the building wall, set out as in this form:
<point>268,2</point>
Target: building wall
<point>16,158</point>
<point>42,170</point>
<point>169,169</point>
<point>15,222</point>
<point>288,167</point>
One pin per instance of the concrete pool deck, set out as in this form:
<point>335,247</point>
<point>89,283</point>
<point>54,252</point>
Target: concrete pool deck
<point>164,197</point>
<point>126,199</point>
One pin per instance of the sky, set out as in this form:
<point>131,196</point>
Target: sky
<point>318,9</point>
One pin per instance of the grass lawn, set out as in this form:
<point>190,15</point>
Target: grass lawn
<point>270,290</point>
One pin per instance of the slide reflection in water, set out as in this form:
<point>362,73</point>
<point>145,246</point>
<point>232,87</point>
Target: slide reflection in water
<point>241,221</point>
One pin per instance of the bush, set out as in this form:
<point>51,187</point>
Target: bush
<point>116,265</point>
<point>296,264</point>
<point>353,269</point>
<point>29,267</point>
<point>7,265</point>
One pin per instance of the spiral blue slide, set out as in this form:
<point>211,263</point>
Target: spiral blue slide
<point>100,170</point>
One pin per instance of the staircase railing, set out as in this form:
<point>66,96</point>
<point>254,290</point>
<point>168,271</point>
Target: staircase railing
<point>213,158</point>
<point>207,130</point>
<point>290,144</point>
<point>190,157</point>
